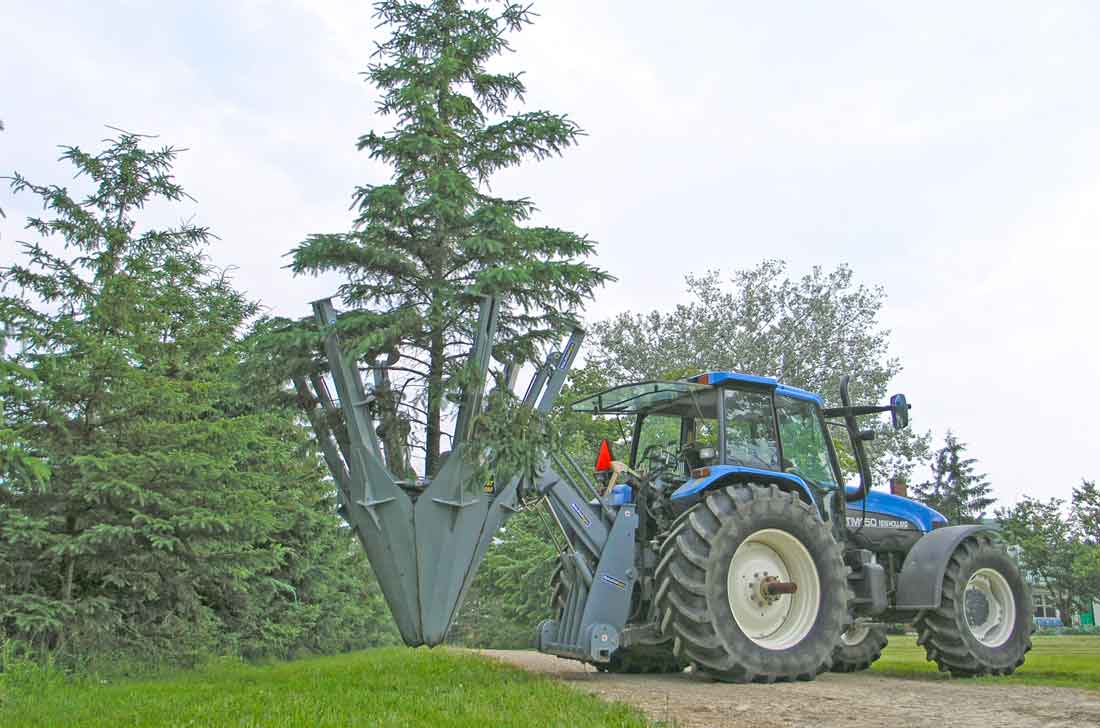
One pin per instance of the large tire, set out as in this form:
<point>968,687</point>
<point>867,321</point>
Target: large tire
<point>745,535</point>
<point>984,623</point>
<point>859,647</point>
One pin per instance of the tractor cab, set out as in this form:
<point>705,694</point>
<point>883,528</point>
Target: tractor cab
<point>721,428</point>
<point>721,425</point>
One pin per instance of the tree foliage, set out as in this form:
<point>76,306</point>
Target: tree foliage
<point>807,332</point>
<point>427,244</point>
<point>956,490</point>
<point>184,514</point>
<point>510,594</point>
<point>1059,546</point>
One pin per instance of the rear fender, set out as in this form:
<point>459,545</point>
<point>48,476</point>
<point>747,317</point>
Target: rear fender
<point>920,581</point>
<point>723,475</point>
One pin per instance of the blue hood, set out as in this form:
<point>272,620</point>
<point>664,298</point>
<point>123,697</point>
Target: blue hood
<point>895,505</point>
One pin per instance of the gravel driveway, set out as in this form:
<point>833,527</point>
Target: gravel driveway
<point>862,699</point>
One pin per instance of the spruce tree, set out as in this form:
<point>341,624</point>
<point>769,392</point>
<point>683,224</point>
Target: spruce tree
<point>184,513</point>
<point>428,243</point>
<point>956,490</point>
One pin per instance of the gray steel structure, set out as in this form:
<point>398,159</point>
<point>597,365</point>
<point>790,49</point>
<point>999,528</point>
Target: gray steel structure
<point>426,539</point>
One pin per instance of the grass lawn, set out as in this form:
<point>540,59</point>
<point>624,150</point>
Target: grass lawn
<point>1062,661</point>
<point>385,687</point>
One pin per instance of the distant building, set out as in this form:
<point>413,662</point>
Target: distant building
<point>1046,610</point>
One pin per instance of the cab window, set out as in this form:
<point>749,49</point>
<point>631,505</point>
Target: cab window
<point>667,439</point>
<point>657,432</point>
<point>750,430</point>
<point>803,439</point>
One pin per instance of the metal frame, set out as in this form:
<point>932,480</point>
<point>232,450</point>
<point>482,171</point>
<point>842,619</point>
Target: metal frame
<point>425,541</point>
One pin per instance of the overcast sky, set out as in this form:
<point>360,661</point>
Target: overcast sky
<point>950,151</point>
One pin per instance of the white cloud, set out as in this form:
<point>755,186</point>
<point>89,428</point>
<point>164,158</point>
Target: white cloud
<point>947,151</point>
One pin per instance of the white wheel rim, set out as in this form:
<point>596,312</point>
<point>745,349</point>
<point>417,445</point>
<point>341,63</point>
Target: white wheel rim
<point>989,607</point>
<point>855,635</point>
<point>780,621</point>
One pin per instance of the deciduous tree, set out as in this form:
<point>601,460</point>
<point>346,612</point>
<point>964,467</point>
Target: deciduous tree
<point>1058,546</point>
<point>807,332</point>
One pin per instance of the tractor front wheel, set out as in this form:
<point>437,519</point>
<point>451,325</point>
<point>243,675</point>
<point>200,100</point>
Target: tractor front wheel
<point>984,623</point>
<point>752,586</point>
<point>859,647</point>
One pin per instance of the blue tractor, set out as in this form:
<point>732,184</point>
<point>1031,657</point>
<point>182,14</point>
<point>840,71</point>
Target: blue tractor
<point>753,560</point>
<point>728,540</point>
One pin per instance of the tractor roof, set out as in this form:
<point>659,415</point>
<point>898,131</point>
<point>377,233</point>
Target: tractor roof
<point>669,397</point>
<point>629,399</point>
<point>720,378</point>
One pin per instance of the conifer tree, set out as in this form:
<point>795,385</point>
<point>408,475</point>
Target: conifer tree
<point>429,242</point>
<point>183,514</point>
<point>956,489</point>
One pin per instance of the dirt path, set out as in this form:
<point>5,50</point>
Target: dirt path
<point>832,700</point>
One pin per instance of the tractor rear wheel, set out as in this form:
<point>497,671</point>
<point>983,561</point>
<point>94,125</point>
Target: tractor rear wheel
<point>752,586</point>
<point>984,623</point>
<point>860,645</point>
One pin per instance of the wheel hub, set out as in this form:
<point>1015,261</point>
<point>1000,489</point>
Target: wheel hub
<point>989,607</point>
<point>855,634</point>
<point>773,588</point>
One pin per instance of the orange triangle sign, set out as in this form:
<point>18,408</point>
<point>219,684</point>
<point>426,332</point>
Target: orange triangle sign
<point>603,460</point>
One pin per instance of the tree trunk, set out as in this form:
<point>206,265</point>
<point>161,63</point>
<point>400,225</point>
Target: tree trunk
<point>55,638</point>
<point>68,563</point>
<point>1065,611</point>
<point>435,401</point>
<point>393,430</point>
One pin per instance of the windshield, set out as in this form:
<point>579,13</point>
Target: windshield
<point>803,438</point>
<point>750,429</point>
<point>647,396</point>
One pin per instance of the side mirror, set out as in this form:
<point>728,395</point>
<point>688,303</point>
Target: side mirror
<point>899,411</point>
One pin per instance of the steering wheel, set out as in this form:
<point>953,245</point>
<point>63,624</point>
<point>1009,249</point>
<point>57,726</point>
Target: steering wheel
<point>661,457</point>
